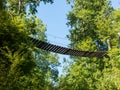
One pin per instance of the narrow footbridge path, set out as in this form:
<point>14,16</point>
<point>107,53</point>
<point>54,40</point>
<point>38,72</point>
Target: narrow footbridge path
<point>67,51</point>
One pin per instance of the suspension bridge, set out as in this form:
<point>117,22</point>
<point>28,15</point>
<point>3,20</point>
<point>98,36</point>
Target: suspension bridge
<point>67,51</point>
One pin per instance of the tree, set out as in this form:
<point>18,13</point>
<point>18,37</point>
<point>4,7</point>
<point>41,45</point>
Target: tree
<point>25,6</point>
<point>46,62</point>
<point>23,66</point>
<point>92,28</point>
<point>15,57</point>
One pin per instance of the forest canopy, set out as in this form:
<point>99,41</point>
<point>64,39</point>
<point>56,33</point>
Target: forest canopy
<point>94,26</point>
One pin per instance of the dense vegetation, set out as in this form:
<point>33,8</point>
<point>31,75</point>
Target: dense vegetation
<point>94,25</point>
<point>22,65</point>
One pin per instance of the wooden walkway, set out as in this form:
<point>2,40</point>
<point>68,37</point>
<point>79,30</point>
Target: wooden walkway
<point>67,51</point>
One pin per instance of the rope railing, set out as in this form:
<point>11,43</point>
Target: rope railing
<point>67,51</point>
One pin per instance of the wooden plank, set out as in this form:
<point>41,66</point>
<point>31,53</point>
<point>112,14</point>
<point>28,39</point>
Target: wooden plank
<point>63,50</point>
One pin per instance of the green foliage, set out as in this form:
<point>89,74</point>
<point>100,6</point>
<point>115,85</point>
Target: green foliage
<point>83,19</point>
<point>2,4</point>
<point>22,65</point>
<point>46,62</point>
<point>94,27</point>
<point>16,58</point>
<point>25,6</point>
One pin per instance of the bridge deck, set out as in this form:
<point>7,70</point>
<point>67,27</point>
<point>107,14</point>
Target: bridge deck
<point>67,51</point>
